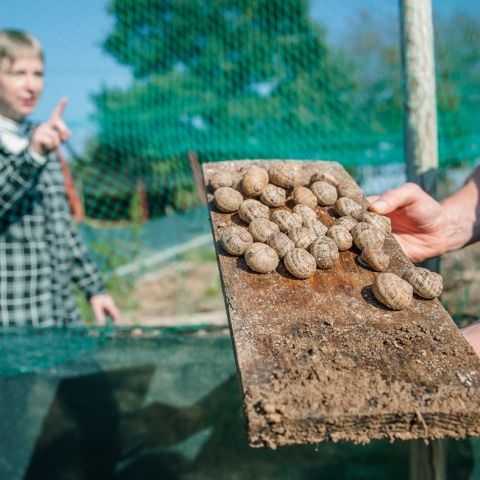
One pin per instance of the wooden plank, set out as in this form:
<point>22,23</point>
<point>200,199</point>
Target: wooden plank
<point>321,359</point>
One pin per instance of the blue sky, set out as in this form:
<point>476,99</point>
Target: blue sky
<point>72,31</point>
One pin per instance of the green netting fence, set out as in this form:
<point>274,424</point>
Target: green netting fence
<point>258,79</point>
<point>222,79</point>
<point>261,79</point>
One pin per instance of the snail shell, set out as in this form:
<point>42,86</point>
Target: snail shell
<point>300,263</point>
<point>273,196</point>
<point>261,258</point>
<point>303,237</point>
<point>364,235</point>
<point>237,178</point>
<point>227,199</point>
<point>425,283</point>
<point>304,211</point>
<point>374,258</point>
<point>346,206</point>
<point>254,181</point>
<point>221,179</point>
<point>318,228</point>
<point>280,243</point>
<point>341,236</point>
<point>235,240</point>
<point>324,177</point>
<point>347,222</point>
<point>325,193</point>
<point>251,209</point>
<point>392,291</point>
<point>303,195</point>
<point>349,190</point>
<point>325,252</point>
<point>285,175</point>
<point>381,222</point>
<point>286,220</point>
<point>262,229</point>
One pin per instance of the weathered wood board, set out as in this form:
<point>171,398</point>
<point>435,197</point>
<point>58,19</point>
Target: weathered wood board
<point>321,359</point>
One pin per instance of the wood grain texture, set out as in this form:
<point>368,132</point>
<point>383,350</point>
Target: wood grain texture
<point>320,359</point>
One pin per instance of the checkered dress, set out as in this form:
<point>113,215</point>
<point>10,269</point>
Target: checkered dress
<point>40,250</point>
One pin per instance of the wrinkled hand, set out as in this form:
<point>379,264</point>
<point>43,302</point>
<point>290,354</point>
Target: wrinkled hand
<point>102,305</point>
<point>49,135</point>
<point>418,221</point>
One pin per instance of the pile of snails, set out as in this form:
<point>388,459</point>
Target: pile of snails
<point>300,239</point>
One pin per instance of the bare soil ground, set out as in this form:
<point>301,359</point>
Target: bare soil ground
<point>187,292</point>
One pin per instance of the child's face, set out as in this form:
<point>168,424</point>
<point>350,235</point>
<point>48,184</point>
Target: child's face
<point>21,83</point>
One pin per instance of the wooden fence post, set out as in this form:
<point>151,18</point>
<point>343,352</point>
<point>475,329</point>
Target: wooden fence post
<point>427,462</point>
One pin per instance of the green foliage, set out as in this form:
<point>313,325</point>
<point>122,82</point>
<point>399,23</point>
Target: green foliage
<point>257,78</point>
<point>219,71</point>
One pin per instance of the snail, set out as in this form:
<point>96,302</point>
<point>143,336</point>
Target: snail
<point>349,190</point>
<point>392,291</point>
<point>273,196</point>
<point>281,243</point>
<point>251,209</point>
<point>341,236</point>
<point>426,284</point>
<point>286,220</point>
<point>304,196</point>
<point>300,263</point>
<point>305,212</point>
<point>346,206</point>
<point>302,237</point>
<point>235,240</point>
<point>382,222</point>
<point>325,193</point>
<point>325,252</point>
<point>364,234</point>
<point>324,177</point>
<point>316,226</point>
<point>347,222</point>
<point>227,199</point>
<point>261,258</point>
<point>285,175</point>
<point>261,229</point>
<point>255,179</point>
<point>375,258</point>
<point>221,179</point>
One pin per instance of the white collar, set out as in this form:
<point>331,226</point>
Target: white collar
<point>14,136</point>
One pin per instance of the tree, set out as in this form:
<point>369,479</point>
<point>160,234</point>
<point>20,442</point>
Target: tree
<point>220,74</point>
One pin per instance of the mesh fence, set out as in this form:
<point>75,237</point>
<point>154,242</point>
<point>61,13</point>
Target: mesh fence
<point>258,79</point>
<point>215,80</point>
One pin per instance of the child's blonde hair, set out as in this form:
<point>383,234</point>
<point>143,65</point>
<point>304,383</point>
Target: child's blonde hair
<point>15,43</point>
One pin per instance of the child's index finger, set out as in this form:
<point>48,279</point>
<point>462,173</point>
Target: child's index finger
<point>58,110</point>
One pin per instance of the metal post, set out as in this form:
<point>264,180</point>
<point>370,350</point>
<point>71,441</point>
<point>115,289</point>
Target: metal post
<point>427,462</point>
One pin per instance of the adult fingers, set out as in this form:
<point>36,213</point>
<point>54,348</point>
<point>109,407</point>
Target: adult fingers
<point>396,198</point>
<point>372,199</point>
<point>57,112</point>
<point>113,312</point>
<point>62,129</point>
<point>48,137</point>
<point>97,308</point>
